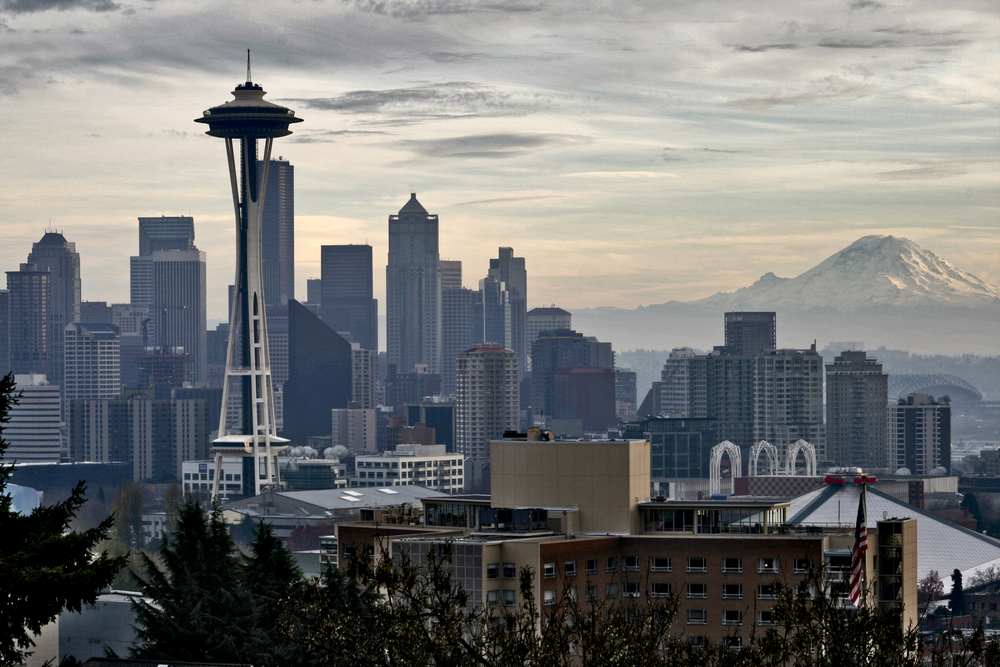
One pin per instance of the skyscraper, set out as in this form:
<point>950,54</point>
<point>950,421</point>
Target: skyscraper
<point>364,376</point>
<point>788,399</point>
<point>559,349</point>
<point>413,289</point>
<point>30,320</point>
<point>33,430</point>
<point>277,232</point>
<point>496,312</point>
<point>93,362</point>
<point>487,398</point>
<point>450,271</point>
<point>538,320</point>
<point>674,396</point>
<point>346,302</point>
<point>461,321</point>
<point>857,394</point>
<point>4,332</point>
<point>919,434</point>
<point>750,333</point>
<point>59,256</point>
<point>165,233</point>
<point>511,272</point>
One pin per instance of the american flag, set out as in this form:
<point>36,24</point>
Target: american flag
<point>858,552</point>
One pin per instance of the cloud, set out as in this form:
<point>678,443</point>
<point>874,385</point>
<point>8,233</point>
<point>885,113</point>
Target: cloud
<point>858,44</point>
<point>866,4</point>
<point>325,137</point>
<point>414,10</point>
<point>829,88</point>
<point>760,48</point>
<point>620,175</point>
<point>927,168</point>
<point>32,6</point>
<point>443,100</point>
<point>498,200</point>
<point>493,146</point>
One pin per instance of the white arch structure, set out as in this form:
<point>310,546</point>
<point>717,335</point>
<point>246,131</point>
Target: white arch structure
<point>810,455</point>
<point>770,455</point>
<point>715,467</point>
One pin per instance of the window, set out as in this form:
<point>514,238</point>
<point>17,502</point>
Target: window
<point>697,617</point>
<point>591,593</point>
<point>493,570</point>
<point>732,617</point>
<point>734,643</point>
<point>697,565</point>
<point>659,564</point>
<point>571,593</point>
<point>660,590</point>
<point>509,597</point>
<point>767,565</point>
<point>802,565</point>
<point>766,592</point>
<point>697,590</point>
<point>764,617</point>
<point>493,597</point>
<point>591,566</point>
<point>630,589</point>
<point>732,564</point>
<point>631,563</point>
<point>571,568</point>
<point>549,571</point>
<point>509,571</point>
<point>993,606</point>
<point>732,591</point>
<point>611,591</point>
<point>812,590</point>
<point>549,597</point>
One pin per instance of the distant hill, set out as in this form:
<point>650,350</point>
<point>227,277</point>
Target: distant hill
<point>882,290</point>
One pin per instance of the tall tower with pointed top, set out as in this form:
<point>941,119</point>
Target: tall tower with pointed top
<point>244,120</point>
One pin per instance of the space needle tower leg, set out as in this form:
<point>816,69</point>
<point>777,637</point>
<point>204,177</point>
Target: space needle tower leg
<point>247,119</point>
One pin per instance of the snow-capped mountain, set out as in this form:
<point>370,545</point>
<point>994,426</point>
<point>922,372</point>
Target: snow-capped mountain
<point>872,271</point>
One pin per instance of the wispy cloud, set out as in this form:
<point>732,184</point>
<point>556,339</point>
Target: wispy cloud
<point>760,48</point>
<point>32,6</point>
<point>493,146</point>
<point>418,9</point>
<point>830,88</point>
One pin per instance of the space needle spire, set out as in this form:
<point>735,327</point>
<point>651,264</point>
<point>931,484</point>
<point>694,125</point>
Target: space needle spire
<point>243,121</point>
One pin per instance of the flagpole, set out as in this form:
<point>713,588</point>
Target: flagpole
<point>864,560</point>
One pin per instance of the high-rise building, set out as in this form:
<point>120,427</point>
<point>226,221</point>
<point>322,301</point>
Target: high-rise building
<point>314,292</point>
<point>413,289</point>
<point>450,271</point>
<point>674,395</point>
<point>538,320</point>
<point>364,376</point>
<point>171,283</point>
<point>277,343</point>
<point>30,320</point>
<point>4,332</point>
<point>59,256</point>
<point>165,233</point>
<point>353,427</point>
<point>721,388</point>
<point>750,333</point>
<point>919,435</point>
<point>93,362</point>
<point>319,375</point>
<point>625,393</point>
<point>461,328</point>
<point>510,271</point>
<point>95,312</point>
<point>496,312</point>
<point>487,398</point>
<point>563,348</point>
<point>277,232</point>
<point>788,399</point>
<point>436,414</point>
<point>856,398</point>
<point>34,427</point>
<point>587,394</point>
<point>346,302</point>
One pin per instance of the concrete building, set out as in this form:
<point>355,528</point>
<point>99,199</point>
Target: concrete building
<point>625,394</point>
<point>165,233</point>
<point>4,332</point>
<point>856,399</point>
<point>429,466</point>
<point>438,414</point>
<point>919,435</point>
<point>750,333</point>
<point>462,321</point>
<point>92,354</point>
<point>59,256</point>
<point>548,318</point>
<point>586,394</point>
<point>721,388</point>
<point>788,399</point>
<point>450,271</point>
<point>34,427</point>
<point>277,343</point>
<point>487,398</point>
<point>413,289</point>
<point>30,317</point>
<point>557,349</point>
<point>364,376</point>
<point>347,301</point>
<point>675,396</point>
<point>354,427</point>
<point>511,272</point>
<point>198,476</point>
<point>277,232</point>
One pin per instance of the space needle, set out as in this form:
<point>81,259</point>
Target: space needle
<point>245,120</point>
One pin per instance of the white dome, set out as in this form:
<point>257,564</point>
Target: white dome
<point>938,472</point>
<point>904,472</point>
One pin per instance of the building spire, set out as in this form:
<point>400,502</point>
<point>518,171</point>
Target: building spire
<point>249,80</point>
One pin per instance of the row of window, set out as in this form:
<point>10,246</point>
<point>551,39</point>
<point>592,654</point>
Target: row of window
<point>659,589</point>
<point>665,564</point>
<point>729,617</point>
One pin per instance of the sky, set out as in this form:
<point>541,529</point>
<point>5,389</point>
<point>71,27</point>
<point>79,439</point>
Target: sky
<point>633,152</point>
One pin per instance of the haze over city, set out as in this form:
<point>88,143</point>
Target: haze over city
<point>633,154</point>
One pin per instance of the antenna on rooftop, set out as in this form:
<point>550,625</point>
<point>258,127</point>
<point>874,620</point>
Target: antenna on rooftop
<point>248,67</point>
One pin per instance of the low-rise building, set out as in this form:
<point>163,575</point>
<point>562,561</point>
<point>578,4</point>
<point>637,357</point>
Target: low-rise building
<point>423,465</point>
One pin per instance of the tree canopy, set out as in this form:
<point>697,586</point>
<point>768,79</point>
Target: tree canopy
<point>44,567</point>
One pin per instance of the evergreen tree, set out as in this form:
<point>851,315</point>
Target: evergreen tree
<point>44,568</point>
<point>957,602</point>
<point>271,575</point>
<point>199,608</point>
